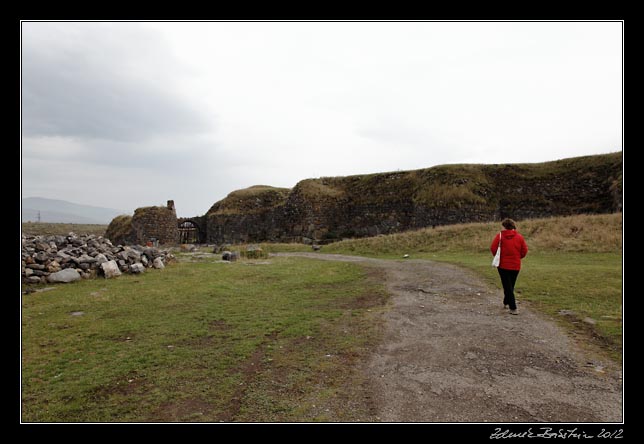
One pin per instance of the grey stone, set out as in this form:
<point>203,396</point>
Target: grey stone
<point>110,269</point>
<point>41,246</point>
<point>567,313</point>
<point>100,258</point>
<point>65,276</point>
<point>158,264</point>
<point>134,255</point>
<point>34,280</point>
<point>151,253</point>
<point>36,266</point>
<point>62,254</point>
<point>137,268</point>
<point>28,272</point>
<point>590,321</point>
<point>230,256</point>
<point>144,260</point>
<point>86,259</point>
<point>41,256</point>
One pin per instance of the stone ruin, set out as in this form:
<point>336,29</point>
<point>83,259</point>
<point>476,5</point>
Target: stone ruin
<point>149,225</point>
<point>324,210</point>
<point>70,258</point>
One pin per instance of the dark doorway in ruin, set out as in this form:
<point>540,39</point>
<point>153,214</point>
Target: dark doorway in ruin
<point>188,232</point>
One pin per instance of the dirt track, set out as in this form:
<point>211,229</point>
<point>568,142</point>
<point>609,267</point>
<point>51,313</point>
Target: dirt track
<point>451,353</point>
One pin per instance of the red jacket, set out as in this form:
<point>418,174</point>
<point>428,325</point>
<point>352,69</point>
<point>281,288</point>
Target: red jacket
<point>513,249</point>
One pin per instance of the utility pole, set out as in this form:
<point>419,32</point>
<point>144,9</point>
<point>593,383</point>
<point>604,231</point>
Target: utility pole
<point>38,216</point>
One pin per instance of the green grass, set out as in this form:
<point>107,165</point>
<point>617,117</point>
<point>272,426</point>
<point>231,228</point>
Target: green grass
<point>202,341</point>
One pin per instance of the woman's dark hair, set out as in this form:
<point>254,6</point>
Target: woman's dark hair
<point>509,224</point>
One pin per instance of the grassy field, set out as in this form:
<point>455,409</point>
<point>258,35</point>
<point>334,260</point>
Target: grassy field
<point>279,339</point>
<point>574,264</point>
<point>270,340</point>
<point>44,228</point>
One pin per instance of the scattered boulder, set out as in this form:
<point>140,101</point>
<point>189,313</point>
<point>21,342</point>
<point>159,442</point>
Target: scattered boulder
<point>137,268</point>
<point>67,275</point>
<point>230,256</point>
<point>100,258</point>
<point>110,269</point>
<point>158,264</point>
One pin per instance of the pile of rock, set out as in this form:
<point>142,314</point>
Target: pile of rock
<point>69,258</point>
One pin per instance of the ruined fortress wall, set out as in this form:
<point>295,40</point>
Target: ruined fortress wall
<point>264,226</point>
<point>158,223</point>
<point>147,224</point>
<point>201,224</point>
<point>329,209</point>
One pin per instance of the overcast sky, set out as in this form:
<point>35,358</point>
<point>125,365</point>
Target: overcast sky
<point>132,114</point>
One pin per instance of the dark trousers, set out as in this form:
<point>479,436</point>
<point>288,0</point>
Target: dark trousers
<point>508,279</point>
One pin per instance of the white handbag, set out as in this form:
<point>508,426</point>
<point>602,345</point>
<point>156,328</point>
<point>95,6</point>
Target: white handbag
<point>497,257</point>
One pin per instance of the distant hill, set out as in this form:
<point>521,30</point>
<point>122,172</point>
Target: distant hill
<point>61,211</point>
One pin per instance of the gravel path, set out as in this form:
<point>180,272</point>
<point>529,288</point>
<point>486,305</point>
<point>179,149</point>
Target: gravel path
<point>451,353</point>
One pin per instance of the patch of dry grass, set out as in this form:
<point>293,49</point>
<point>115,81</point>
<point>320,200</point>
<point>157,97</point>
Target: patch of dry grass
<point>581,233</point>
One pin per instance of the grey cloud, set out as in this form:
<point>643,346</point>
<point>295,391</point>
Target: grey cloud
<point>86,91</point>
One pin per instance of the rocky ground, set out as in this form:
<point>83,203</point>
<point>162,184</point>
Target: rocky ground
<point>452,353</point>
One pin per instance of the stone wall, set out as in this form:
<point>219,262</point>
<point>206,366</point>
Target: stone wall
<point>332,208</point>
<point>148,224</point>
<point>329,209</point>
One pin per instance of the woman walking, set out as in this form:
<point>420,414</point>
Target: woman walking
<point>513,249</point>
